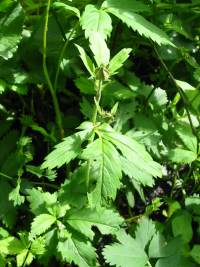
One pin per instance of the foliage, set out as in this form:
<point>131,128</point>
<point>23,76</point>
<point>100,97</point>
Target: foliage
<point>99,133</point>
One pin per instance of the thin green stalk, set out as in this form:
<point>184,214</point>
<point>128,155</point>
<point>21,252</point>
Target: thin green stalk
<point>46,74</point>
<point>98,87</point>
<point>62,55</point>
<point>183,96</point>
<point>6,176</point>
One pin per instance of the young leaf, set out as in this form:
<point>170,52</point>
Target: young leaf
<point>99,49</point>
<point>138,23</point>
<point>80,252</point>
<point>67,8</point>
<point>96,20</point>
<point>65,151</point>
<point>118,60</point>
<point>106,170</point>
<point>105,220</point>
<point>15,195</point>
<point>127,253</point>
<point>86,60</point>
<point>41,223</point>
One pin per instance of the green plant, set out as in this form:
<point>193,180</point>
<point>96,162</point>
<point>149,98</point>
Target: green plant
<point>99,136</point>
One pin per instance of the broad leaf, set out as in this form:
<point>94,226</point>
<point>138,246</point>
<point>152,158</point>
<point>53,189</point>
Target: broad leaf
<point>10,31</point>
<point>96,20</point>
<point>182,225</point>
<point>41,223</point>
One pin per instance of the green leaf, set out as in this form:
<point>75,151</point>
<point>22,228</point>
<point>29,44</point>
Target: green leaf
<point>96,20</point>
<point>5,4</point>
<point>118,60</point>
<point>180,155</point>
<point>127,253</point>
<point>7,210</point>
<point>74,191</point>
<point>182,225</point>
<point>185,133</point>
<point>124,11</point>
<point>195,253</point>
<point>81,253</point>
<point>38,246</point>
<point>132,5</point>
<point>65,151</point>
<point>15,195</point>
<point>10,245</point>
<point>135,156</point>
<point>10,31</point>
<point>160,248</point>
<point>144,232</point>
<point>99,49</point>
<point>106,170</point>
<point>24,258</point>
<point>39,201</point>
<point>41,223</point>
<point>105,220</point>
<point>66,8</point>
<point>86,60</point>
<point>159,97</point>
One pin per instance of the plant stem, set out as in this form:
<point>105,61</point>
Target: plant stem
<point>98,89</point>
<point>6,176</point>
<point>62,55</point>
<point>46,74</point>
<point>183,96</point>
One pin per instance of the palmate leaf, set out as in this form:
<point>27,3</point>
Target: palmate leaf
<point>124,11</point>
<point>65,151</point>
<point>106,170</point>
<point>80,252</point>
<point>105,220</point>
<point>96,20</point>
<point>10,31</point>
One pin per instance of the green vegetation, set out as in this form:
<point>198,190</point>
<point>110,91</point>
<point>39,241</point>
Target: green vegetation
<point>99,133</point>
